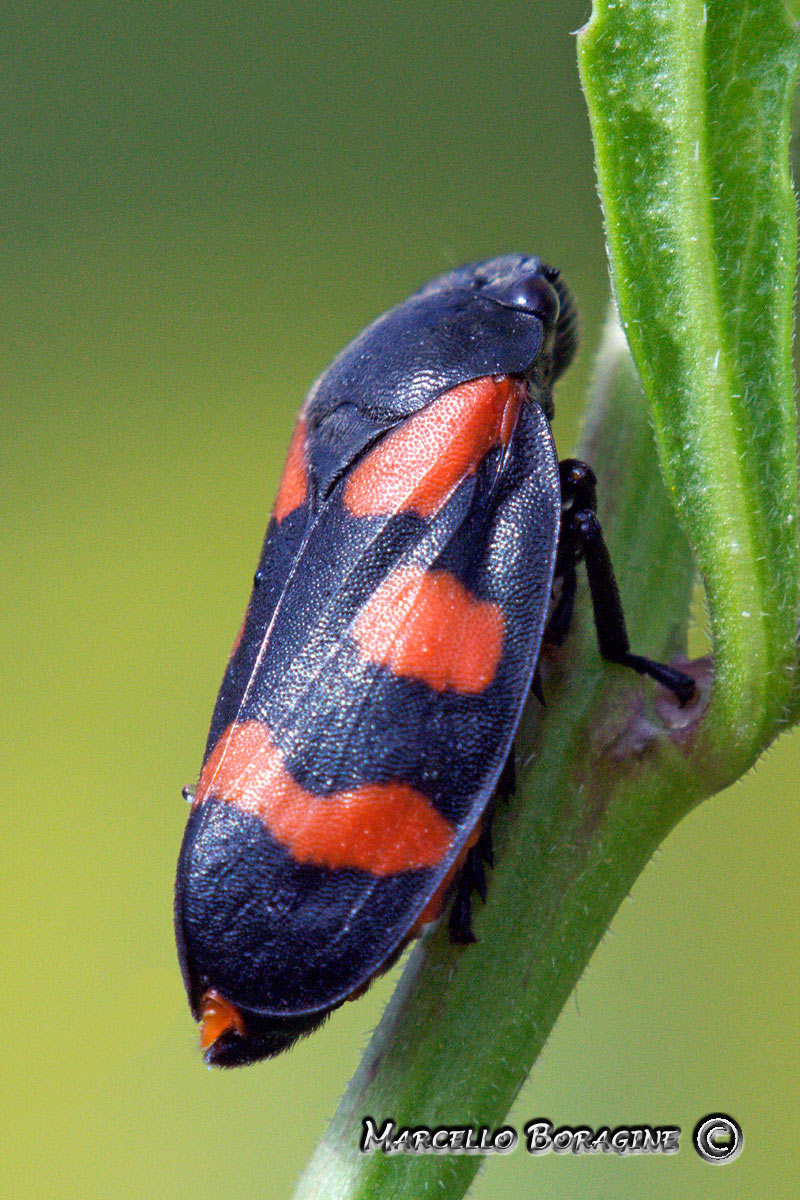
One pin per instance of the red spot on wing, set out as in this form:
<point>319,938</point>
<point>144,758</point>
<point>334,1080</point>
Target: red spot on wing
<point>426,625</point>
<point>417,465</point>
<point>293,488</point>
<point>379,827</point>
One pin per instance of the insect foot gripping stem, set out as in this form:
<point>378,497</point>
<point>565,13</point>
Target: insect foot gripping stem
<point>582,539</point>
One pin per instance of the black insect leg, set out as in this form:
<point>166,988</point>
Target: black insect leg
<point>472,876</point>
<point>460,921</point>
<point>506,784</point>
<point>582,538</point>
<point>561,616</point>
<point>538,691</point>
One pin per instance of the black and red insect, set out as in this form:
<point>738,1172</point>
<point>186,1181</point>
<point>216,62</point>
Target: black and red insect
<point>367,715</point>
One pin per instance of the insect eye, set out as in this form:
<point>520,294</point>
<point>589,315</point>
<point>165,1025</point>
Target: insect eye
<point>535,295</point>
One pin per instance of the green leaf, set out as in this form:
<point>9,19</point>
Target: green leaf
<point>689,105</point>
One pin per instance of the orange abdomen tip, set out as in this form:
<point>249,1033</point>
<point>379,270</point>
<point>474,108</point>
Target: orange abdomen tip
<point>218,1016</point>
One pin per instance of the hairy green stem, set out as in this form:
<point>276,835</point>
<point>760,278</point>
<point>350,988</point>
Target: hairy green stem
<point>689,104</point>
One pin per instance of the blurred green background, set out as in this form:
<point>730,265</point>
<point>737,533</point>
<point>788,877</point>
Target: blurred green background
<point>201,204</point>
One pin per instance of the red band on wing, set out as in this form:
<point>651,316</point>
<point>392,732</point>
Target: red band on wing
<point>379,827</point>
<point>417,465</point>
<point>426,625</point>
<point>293,488</point>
